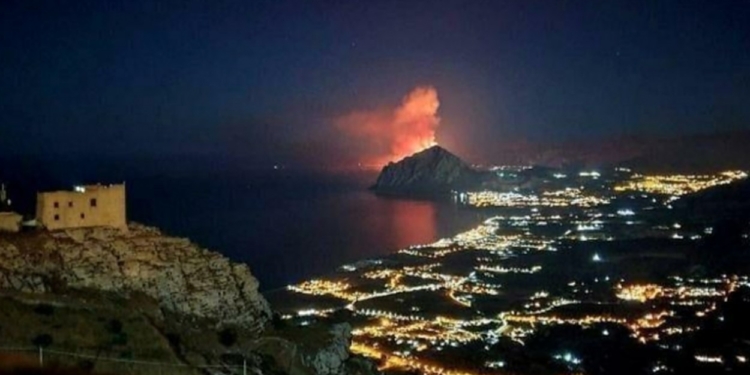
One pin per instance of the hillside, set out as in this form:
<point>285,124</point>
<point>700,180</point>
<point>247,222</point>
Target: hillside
<point>139,301</point>
<point>430,172</point>
<point>184,278</point>
<point>724,201</point>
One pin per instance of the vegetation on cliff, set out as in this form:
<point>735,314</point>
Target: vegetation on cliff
<point>139,301</point>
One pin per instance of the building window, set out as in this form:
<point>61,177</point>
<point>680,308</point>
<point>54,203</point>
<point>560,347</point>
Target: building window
<point>57,205</point>
<point>70,204</point>
<point>57,217</point>
<point>83,216</point>
<point>93,202</point>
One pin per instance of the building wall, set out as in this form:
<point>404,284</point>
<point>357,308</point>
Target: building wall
<point>96,206</point>
<point>10,222</point>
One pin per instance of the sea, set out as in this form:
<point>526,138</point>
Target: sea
<point>287,224</point>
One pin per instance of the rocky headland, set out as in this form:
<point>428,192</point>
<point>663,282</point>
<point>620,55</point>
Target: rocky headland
<point>433,172</point>
<point>189,305</point>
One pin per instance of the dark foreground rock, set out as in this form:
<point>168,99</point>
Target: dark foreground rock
<point>114,296</point>
<point>184,278</point>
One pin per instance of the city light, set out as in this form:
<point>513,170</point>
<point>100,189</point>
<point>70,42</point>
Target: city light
<point>677,185</point>
<point>397,329</point>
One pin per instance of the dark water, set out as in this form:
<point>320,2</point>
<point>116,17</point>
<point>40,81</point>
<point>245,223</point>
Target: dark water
<point>287,225</point>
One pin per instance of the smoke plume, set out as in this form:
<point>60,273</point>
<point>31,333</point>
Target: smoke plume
<point>390,134</point>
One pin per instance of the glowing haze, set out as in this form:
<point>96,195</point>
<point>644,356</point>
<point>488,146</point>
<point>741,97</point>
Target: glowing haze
<point>390,134</point>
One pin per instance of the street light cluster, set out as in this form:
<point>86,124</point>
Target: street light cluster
<point>568,197</point>
<point>397,327</point>
<point>677,184</point>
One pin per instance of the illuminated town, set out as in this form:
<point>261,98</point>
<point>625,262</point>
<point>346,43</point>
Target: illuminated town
<point>601,255</point>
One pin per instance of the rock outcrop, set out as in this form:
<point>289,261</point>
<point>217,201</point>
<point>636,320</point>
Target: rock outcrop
<point>330,358</point>
<point>430,172</point>
<point>184,278</point>
<point>322,349</point>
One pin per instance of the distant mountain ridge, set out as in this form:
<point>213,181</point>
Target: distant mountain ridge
<point>647,153</point>
<point>431,172</point>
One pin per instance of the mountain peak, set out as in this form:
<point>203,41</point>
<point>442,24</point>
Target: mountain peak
<point>433,171</point>
<point>434,150</point>
<point>433,153</point>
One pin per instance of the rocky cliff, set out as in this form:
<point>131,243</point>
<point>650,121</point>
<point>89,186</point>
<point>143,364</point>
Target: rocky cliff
<point>185,279</point>
<point>320,348</point>
<point>157,300</point>
<point>434,171</point>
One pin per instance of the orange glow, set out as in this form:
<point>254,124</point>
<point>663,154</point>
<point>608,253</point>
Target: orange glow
<point>413,222</point>
<point>390,134</point>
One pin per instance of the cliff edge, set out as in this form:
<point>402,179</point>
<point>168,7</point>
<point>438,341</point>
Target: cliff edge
<point>184,278</point>
<point>141,298</point>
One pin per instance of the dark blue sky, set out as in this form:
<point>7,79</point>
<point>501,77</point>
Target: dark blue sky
<point>262,80</point>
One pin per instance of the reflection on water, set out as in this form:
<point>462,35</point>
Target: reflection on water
<point>286,238</point>
<point>286,226</point>
<point>385,224</point>
<point>287,235</point>
<point>413,222</point>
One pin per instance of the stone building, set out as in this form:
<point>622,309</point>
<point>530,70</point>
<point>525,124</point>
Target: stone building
<point>85,206</point>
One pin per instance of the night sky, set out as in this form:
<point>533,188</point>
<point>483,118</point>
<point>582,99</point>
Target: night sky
<point>265,80</point>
